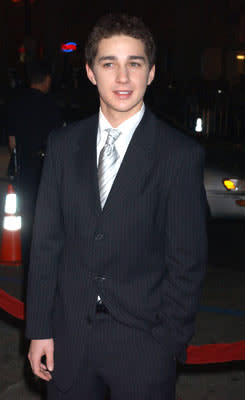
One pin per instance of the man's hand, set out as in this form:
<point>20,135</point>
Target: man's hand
<point>38,349</point>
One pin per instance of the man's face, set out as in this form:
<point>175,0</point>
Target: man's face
<point>121,72</point>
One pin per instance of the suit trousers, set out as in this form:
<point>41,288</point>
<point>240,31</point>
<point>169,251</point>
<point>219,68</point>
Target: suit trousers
<point>121,363</point>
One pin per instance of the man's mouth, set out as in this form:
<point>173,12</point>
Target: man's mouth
<point>123,93</point>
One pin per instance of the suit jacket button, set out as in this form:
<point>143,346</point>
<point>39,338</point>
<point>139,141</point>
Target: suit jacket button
<point>99,236</point>
<point>100,278</point>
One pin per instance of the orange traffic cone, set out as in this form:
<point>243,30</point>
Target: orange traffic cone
<point>10,251</point>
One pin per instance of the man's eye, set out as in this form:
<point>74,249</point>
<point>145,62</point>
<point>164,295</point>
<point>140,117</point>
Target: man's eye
<point>108,65</point>
<point>135,64</point>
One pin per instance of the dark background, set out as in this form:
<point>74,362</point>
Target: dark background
<point>198,74</point>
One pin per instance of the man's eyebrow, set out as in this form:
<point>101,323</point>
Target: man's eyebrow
<point>107,58</point>
<point>137,58</point>
<point>113,58</point>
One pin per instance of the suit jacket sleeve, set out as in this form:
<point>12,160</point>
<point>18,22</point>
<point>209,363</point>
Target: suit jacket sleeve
<point>46,247</point>
<point>185,250</point>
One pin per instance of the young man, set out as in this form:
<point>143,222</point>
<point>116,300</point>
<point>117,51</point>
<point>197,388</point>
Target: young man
<point>119,246</point>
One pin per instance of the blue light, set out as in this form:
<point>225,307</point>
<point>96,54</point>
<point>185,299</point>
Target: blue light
<point>69,47</point>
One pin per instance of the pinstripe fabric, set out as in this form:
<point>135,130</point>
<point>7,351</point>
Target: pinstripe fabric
<point>107,162</point>
<point>123,362</point>
<point>144,253</point>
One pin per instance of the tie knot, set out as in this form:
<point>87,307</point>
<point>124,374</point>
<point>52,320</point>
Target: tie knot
<point>113,134</point>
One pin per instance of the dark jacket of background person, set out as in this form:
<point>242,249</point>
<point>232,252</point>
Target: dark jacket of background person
<point>32,115</point>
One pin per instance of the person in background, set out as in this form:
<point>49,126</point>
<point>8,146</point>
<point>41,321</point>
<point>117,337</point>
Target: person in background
<point>119,246</point>
<point>32,115</point>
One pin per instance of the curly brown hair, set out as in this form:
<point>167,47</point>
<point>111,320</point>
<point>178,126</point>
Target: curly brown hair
<point>119,24</point>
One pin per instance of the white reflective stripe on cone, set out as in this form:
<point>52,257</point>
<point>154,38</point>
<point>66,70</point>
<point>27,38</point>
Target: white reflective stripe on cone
<point>12,223</point>
<point>10,204</point>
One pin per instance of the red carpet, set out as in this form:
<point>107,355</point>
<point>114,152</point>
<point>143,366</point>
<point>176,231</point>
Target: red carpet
<point>205,354</point>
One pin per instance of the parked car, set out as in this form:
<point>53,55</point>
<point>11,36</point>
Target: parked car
<point>224,179</point>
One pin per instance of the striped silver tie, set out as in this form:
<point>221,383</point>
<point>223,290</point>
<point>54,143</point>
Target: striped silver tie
<point>107,162</point>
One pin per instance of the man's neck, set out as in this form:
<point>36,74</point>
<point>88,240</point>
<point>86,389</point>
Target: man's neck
<point>116,118</point>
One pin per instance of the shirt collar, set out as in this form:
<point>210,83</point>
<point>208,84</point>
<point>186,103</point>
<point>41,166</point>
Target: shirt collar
<point>127,127</point>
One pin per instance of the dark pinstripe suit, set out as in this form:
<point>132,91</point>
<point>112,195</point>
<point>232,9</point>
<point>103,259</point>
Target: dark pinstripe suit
<point>145,253</point>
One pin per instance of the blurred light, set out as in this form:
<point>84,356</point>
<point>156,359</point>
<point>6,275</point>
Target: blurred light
<point>22,1</point>
<point>235,185</point>
<point>240,56</point>
<point>219,91</point>
<point>198,127</point>
<point>69,47</point>
<point>241,203</point>
<point>229,185</point>
<point>12,223</point>
<point>21,49</point>
<point>10,204</point>
<point>22,53</point>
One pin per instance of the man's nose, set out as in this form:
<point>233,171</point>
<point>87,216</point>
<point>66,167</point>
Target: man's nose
<point>123,74</point>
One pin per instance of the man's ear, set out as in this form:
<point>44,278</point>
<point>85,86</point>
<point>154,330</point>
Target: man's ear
<point>90,74</point>
<point>151,75</point>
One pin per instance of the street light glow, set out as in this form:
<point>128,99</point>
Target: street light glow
<point>199,127</point>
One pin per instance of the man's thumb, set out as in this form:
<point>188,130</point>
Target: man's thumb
<point>50,361</point>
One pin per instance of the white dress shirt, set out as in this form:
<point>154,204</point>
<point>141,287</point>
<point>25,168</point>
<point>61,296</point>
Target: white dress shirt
<point>127,129</point>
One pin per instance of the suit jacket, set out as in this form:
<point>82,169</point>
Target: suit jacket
<point>145,253</point>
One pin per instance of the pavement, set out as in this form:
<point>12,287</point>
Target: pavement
<point>223,297</point>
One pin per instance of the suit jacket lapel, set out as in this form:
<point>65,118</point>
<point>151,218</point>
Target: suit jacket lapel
<point>136,164</point>
<point>86,162</point>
